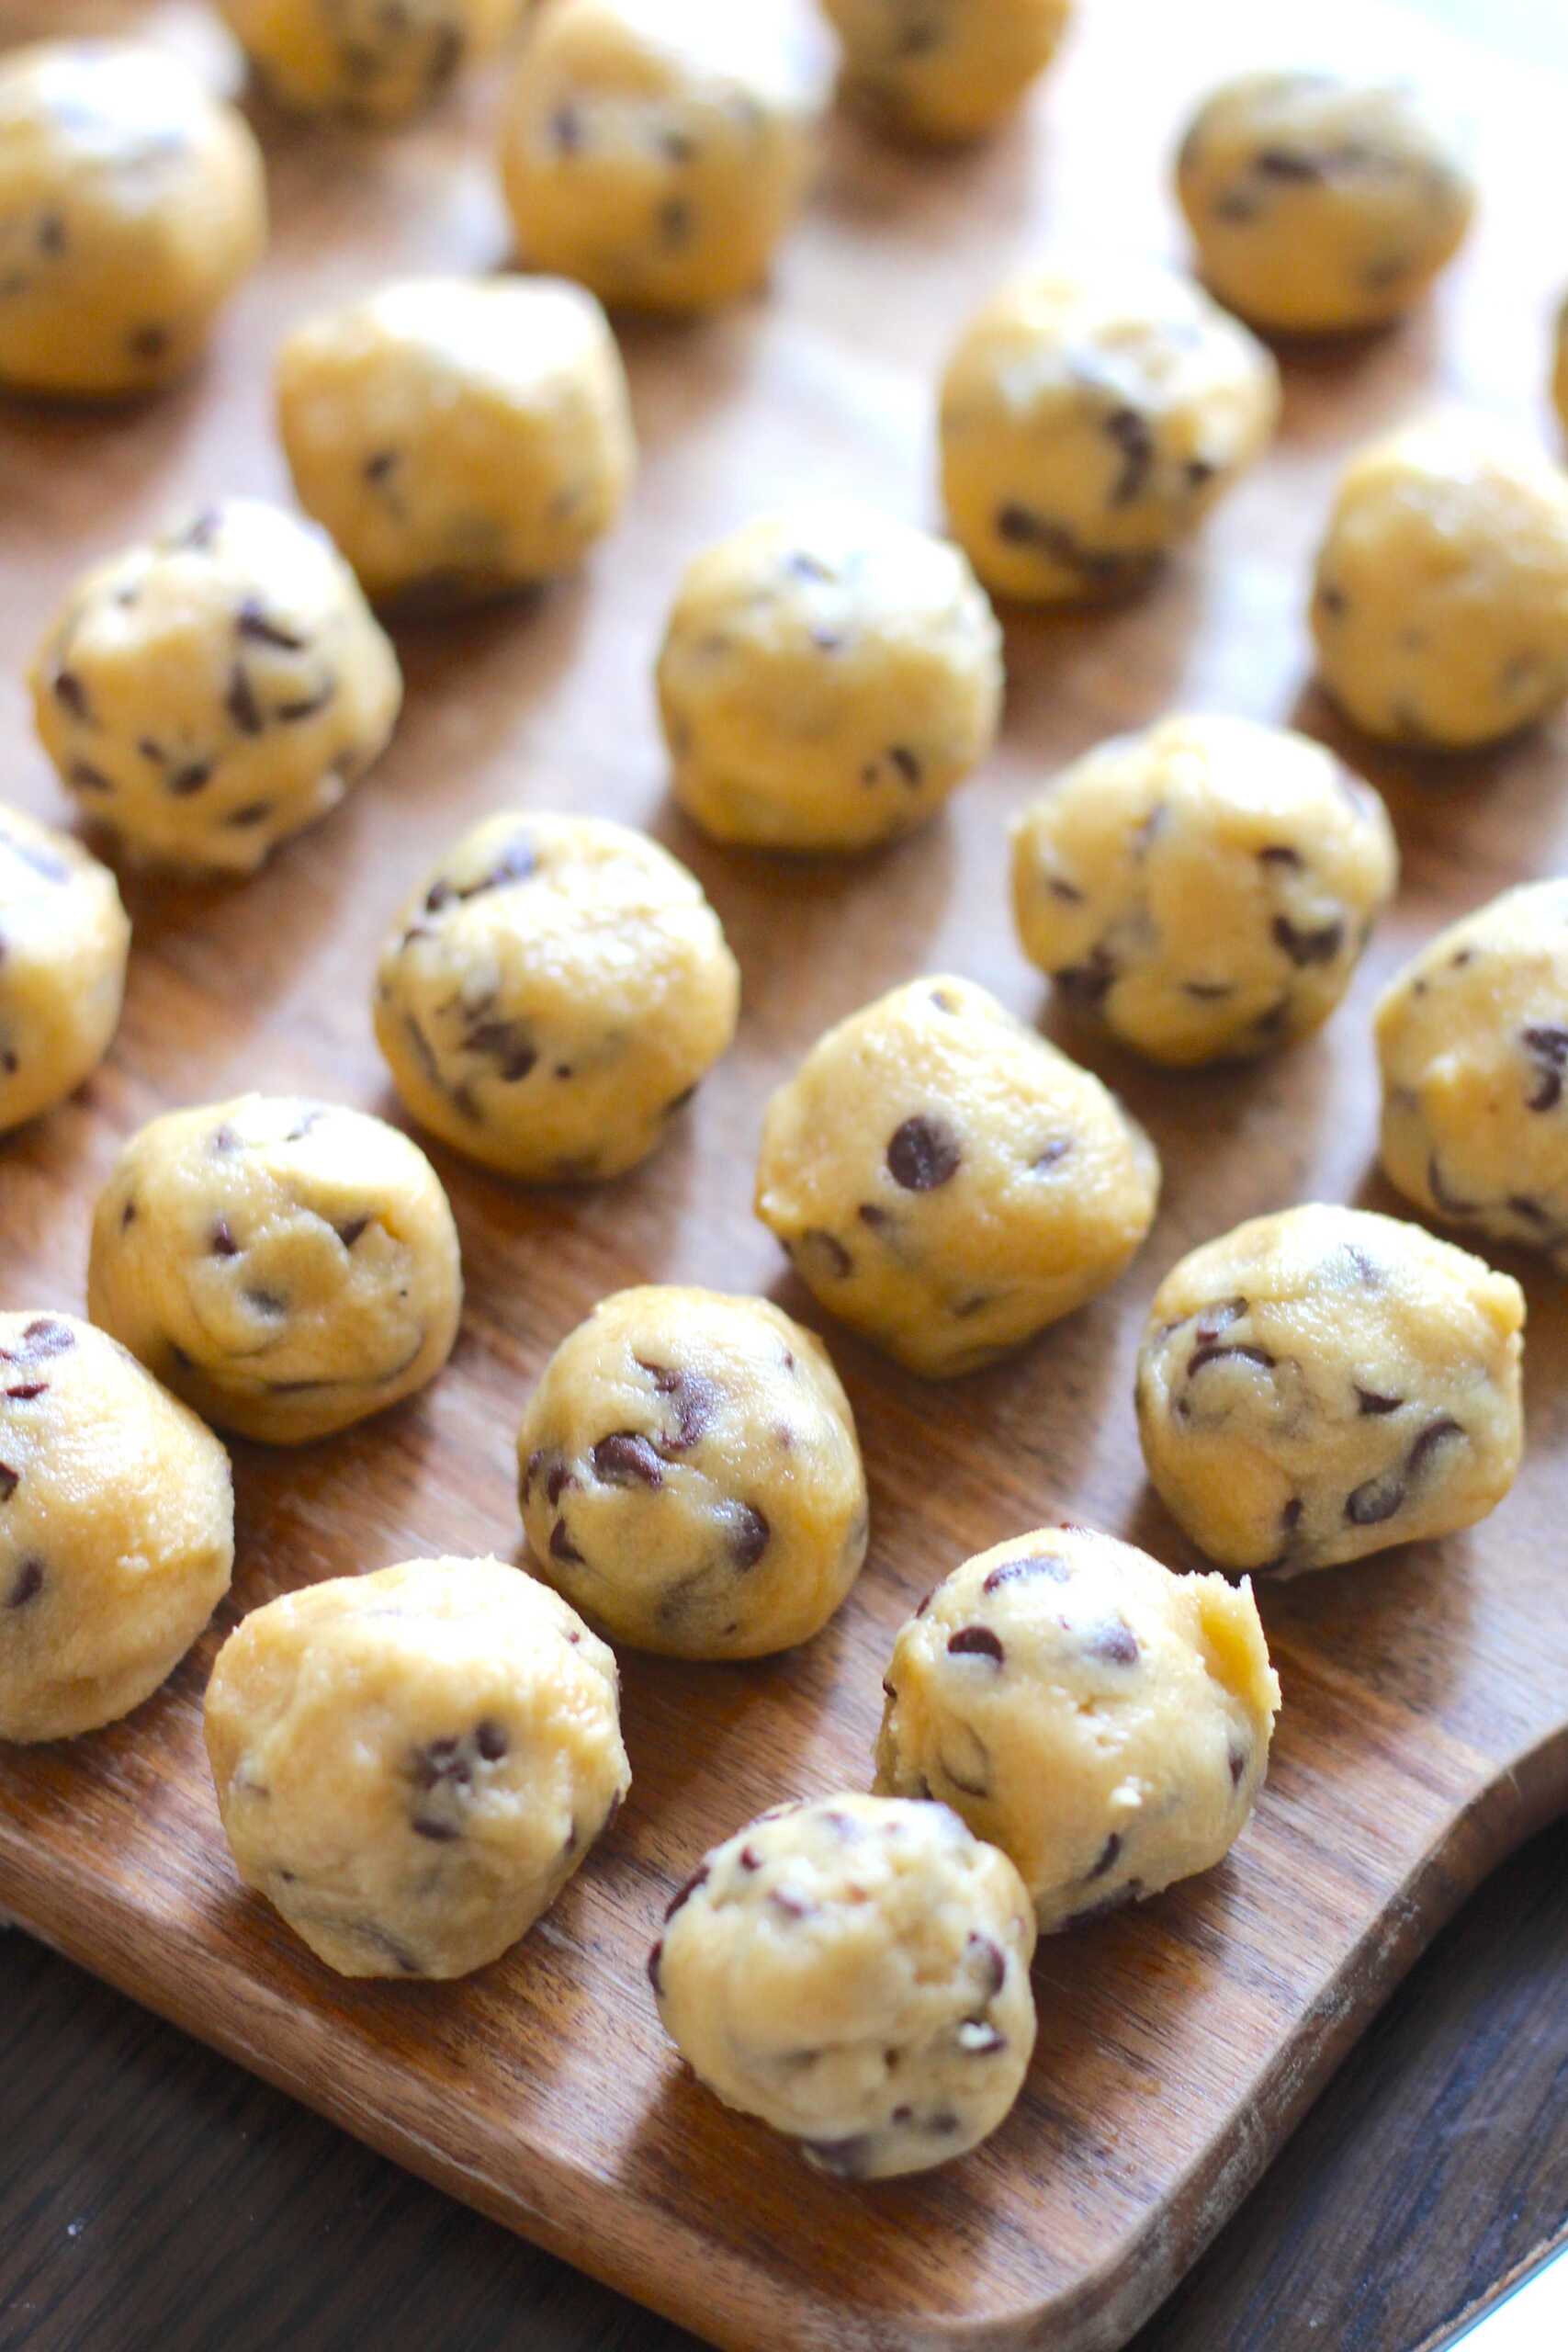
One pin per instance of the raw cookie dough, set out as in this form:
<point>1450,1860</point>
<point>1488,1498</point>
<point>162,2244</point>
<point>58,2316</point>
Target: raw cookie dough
<point>116,1529</point>
<point>458,438</point>
<point>1319,205</point>
<point>1440,604</point>
<point>946,1181</point>
<point>1089,422</point>
<point>1206,887</point>
<point>1103,1722</point>
<point>1324,1383</point>
<point>855,1972</point>
<point>656,150</point>
<point>690,1475</point>
<point>411,1765</point>
<point>63,943</point>
<point>210,693</point>
<point>1473,1037</point>
<point>131,205</point>
<point>553,993</point>
<point>827,677</point>
<point>286,1266</point>
<point>378,61</point>
<point>944,69</point>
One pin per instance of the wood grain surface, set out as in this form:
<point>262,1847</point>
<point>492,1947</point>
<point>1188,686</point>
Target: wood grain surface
<point>1425,1724</point>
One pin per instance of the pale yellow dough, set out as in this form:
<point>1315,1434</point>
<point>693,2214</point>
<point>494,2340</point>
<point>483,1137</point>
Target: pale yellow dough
<point>944,69</point>
<point>827,678</point>
<point>411,1765</point>
<point>458,438</point>
<point>946,1181</point>
<point>1206,887</point>
<point>378,61</point>
<point>1440,603</point>
<point>208,693</point>
<point>657,150</point>
<point>1324,1383</point>
<point>1473,1039</point>
<point>690,1475</point>
<point>1089,423</point>
<point>855,1972</point>
<point>64,938</point>
<point>288,1267</point>
<point>131,205</point>
<point>552,995</point>
<point>1105,1723</point>
<point>116,1529</point>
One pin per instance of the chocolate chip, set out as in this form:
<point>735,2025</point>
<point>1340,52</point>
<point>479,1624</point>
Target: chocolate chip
<point>350,1230</point>
<point>1279,853</point>
<point>223,1243</point>
<point>44,1336</point>
<point>88,779</point>
<point>1436,1433</point>
<point>1036,1563</point>
<point>69,692</point>
<point>626,1459</point>
<point>148,341</point>
<point>254,622</point>
<point>556,1485</point>
<point>307,705</point>
<point>49,233</point>
<point>749,1534</point>
<point>379,464</point>
<point>240,703</point>
<point>674,220</point>
<point>446,48</point>
<point>924,1154</point>
<point>25,1391</point>
<point>9,1481</point>
<point>1375,1499</point>
<point>905,761</point>
<point>749,1859</point>
<point>699,1877</point>
<point>508,1043</point>
<point>27,1586</point>
<point>185,781</point>
<point>1369,1401</point>
<point>1089,983</point>
<point>566,130</point>
<point>1208,992</point>
<point>1236,1758</point>
<point>1069,892</point>
<point>561,1545</point>
<point>1288,163</point>
<point>491,1739</point>
<point>1052,1155</point>
<point>440,1833</point>
<point>1304,947</point>
<point>1291,1517</point>
<point>1549,1046</point>
<point>992,1958</point>
<point>269,1303</point>
<point>975,1641</point>
<point>1108,1854</point>
<point>1131,432</point>
<point>1114,1641</point>
<point>654,1957</point>
<point>1213,1354</point>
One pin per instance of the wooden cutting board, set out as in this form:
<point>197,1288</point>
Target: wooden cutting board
<point>1425,1721</point>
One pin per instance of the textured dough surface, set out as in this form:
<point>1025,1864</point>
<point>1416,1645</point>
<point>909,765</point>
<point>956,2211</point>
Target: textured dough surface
<point>131,205</point>
<point>1319,205</point>
<point>855,1972</point>
<point>1206,887</point>
<point>690,1475</point>
<point>1105,1723</point>
<point>1324,1383</point>
<point>210,693</point>
<point>1440,603</point>
<point>944,69</point>
<point>553,993</point>
<point>411,1765</point>
<point>367,59</point>
<point>946,1181</point>
<point>287,1266</point>
<point>827,677</point>
<point>458,438</point>
<point>656,150</point>
<point>116,1529</point>
<point>64,938</point>
<point>1090,422</point>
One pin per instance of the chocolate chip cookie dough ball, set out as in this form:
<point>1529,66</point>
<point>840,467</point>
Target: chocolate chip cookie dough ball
<point>827,678</point>
<point>656,150</point>
<point>944,69</point>
<point>855,1973</point>
<point>458,438</point>
<point>1089,423</point>
<point>690,1475</point>
<point>1441,604</point>
<point>1322,1384</point>
<point>1206,887</point>
<point>286,1266</point>
<point>553,994</point>
<point>1473,1039</point>
<point>116,1529</point>
<point>207,695</point>
<point>411,1765</point>
<point>946,1181</point>
<point>63,943</point>
<point>1103,1722</point>
<point>367,59</point>
<point>131,205</point>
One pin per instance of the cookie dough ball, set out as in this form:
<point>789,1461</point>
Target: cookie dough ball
<point>1473,1039</point>
<point>116,1529</point>
<point>1440,604</point>
<point>1206,887</point>
<point>1103,1722</point>
<point>63,943</point>
<point>946,1181</point>
<point>827,678</point>
<point>411,1765</point>
<point>458,438</point>
<point>944,69</point>
<point>1321,1384</point>
<point>552,995</point>
<point>286,1266</point>
<point>131,205</point>
<point>207,695</point>
<point>364,58</point>
<point>656,150</point>
<point>690,1475</point>
<point>1089,423</point>
<point>1319,205</point>
<point>855,1973</point>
